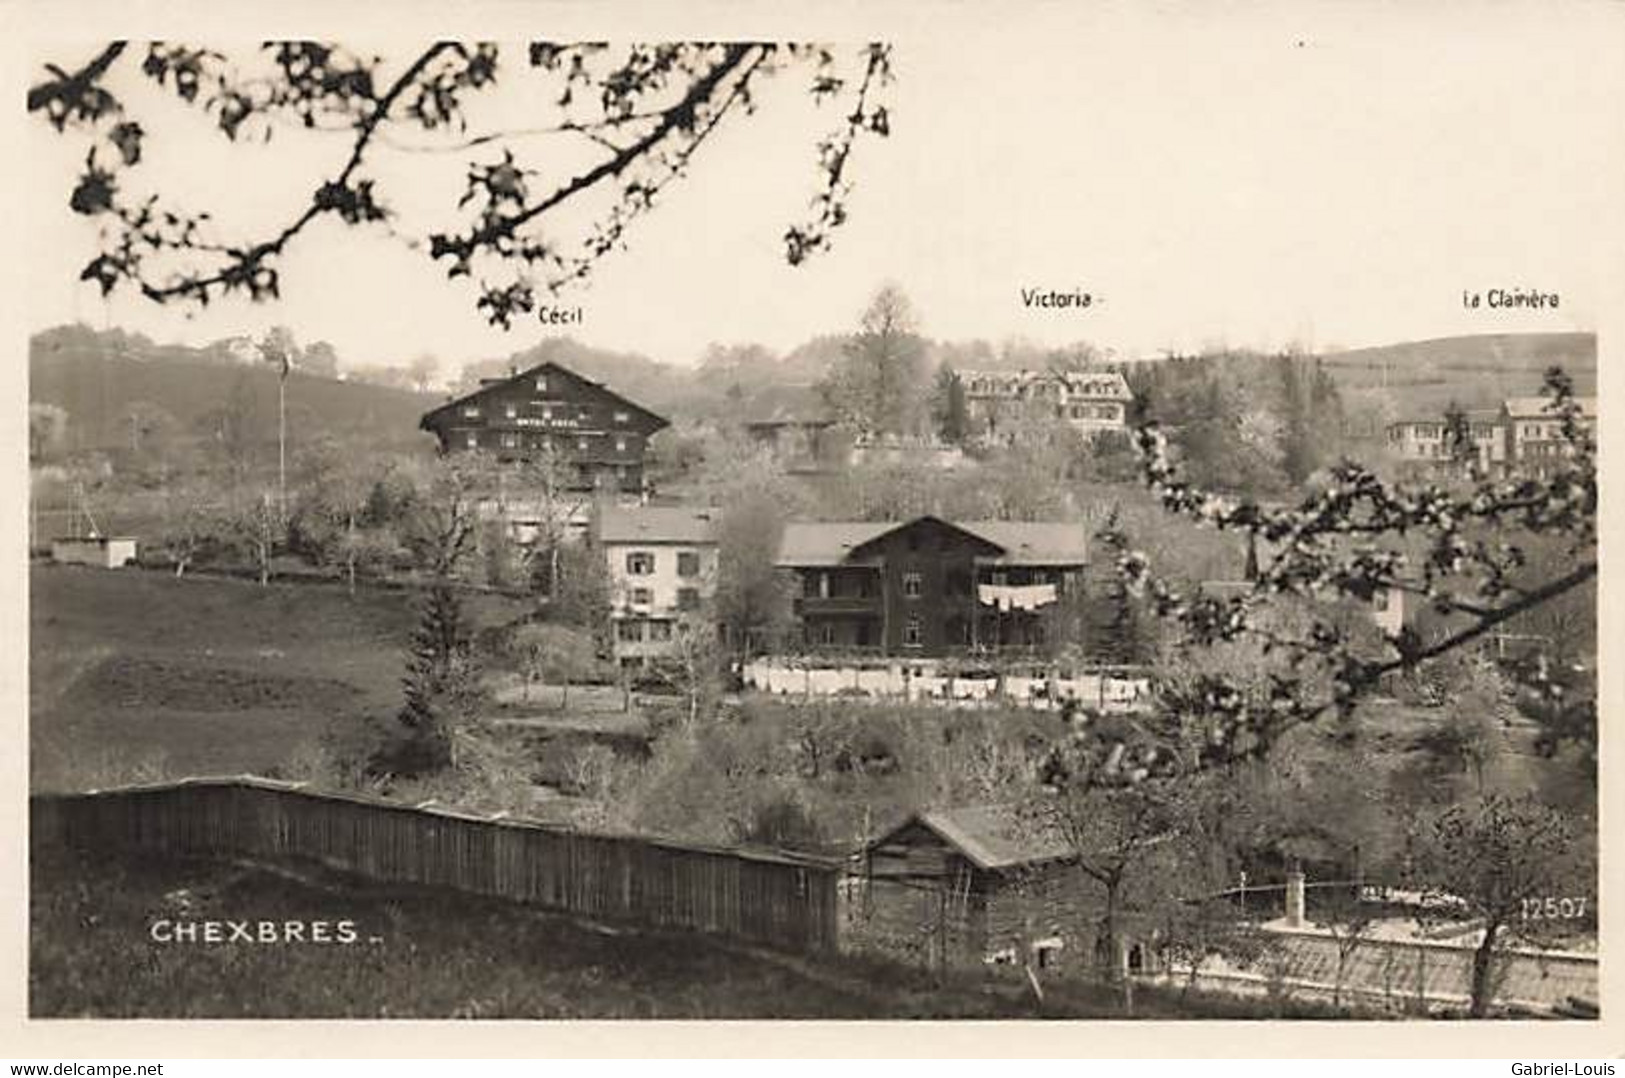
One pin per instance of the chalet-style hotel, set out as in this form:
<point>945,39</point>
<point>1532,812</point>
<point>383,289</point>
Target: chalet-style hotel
<point>928,587</point>
<point>597,434</point>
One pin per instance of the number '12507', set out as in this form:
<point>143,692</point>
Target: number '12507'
<point>1553,909</point>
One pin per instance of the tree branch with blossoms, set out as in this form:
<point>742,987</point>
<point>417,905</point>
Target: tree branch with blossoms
<point>645,110</point>
<point>1459,549</point>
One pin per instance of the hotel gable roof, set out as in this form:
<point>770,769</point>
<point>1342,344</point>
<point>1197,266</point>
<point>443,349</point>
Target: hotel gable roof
<point>648,422</point>
<point>820,544</point>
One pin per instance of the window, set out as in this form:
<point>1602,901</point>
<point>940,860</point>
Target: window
<point>1047,952</point>
<point>642,596</point>
<point>547,413</point>
<point>688,598</point>
<point>581,443</point>
<point>1379,601</point>
<point>472,440</point>
<point>659,631</point>
<point>629,631</point>
<point>541,383</point>
<point>640,563</point>
<point>471,411</point>
<point>688,563</point>
<point>511,411</point>
<point>912,585</point>
<point>510,441</point>
<point>620,445</point>
<point>911,632</point>
<point>826,633</point>
<point>622,417</point>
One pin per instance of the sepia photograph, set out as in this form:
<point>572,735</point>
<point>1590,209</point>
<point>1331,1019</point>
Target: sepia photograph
<point>1084,516</point>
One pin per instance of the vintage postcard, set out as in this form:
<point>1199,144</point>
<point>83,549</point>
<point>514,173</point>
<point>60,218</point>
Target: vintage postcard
<point>1040,521</point>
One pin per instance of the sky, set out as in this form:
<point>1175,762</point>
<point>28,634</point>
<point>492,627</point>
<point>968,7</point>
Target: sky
<point>1315,175</point>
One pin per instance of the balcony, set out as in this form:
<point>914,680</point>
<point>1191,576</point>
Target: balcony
<point>813,605</point>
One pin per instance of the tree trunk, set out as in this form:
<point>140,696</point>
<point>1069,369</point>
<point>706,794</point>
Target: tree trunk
<point>1106,946</point>
<point>350,554</point>
<point>1483,966</point>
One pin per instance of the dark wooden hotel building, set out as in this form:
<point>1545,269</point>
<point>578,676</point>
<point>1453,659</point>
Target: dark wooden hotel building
<point>929,588</point>
<point>599,435</point>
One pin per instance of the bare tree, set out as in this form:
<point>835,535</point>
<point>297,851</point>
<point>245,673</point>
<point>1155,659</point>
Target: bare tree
<point>1494,860</point>
<point>554,653</point>
<point>695,663</point>
<point>254,524</point>
<point>422,370</point>
<point>442,524</point>
<point>47,429</point>
<point>880,384</point>
<point>191,522</point>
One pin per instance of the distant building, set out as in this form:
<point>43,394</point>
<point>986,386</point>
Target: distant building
<point>1090,401</point>
<point>1418,440</point>
<point>662,565</point>
<point>806,441</point>
<point>599,436</point>
<point>1534,429</point>
<point>928,587</point>
<point>905,450</point>
<point>1522,433</point>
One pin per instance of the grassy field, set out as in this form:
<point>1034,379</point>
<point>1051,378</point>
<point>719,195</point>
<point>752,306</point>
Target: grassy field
<point>137,674</point>
<point>417,954</point>
<point>422,953</point>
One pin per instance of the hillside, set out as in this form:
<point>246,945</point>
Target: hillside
<point>1478,371</point>
<point>97,383</point>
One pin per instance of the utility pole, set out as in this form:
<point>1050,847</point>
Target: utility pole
<point>282,440</point>
<point>277,347</point>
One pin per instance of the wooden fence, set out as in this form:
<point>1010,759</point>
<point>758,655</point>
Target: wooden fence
<point>761,896</point>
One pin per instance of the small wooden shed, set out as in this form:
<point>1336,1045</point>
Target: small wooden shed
<point>977,885</point>
<point>102,551</point>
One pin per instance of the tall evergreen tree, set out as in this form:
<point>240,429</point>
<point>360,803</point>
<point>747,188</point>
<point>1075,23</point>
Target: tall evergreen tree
<point>1120,634</point>
<point>1298,456</point>
<point>948,407</point>
<point>440,683</point>
<point>1458,436</point>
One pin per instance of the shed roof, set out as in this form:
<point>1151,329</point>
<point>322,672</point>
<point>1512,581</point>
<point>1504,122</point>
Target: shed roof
<point>991,837</point>
<point>656,524</point>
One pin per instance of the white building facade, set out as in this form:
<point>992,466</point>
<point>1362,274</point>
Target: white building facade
<point>662,566</point>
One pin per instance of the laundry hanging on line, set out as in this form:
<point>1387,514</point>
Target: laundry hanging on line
<point>1016,596</point>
